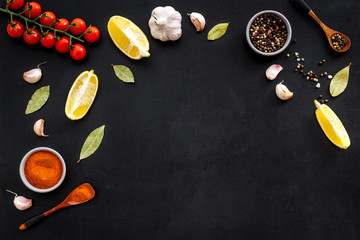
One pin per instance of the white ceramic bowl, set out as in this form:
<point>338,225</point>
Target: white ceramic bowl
<point>22,167</point>
<point>288,28</point>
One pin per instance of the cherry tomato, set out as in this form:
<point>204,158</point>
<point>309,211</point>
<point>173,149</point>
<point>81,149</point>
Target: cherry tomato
<point>48,41</point>
<point>31,36</point>
<point>16,4</point>
<point>62,24</point>
<point>78,52</point>
<point>79,27</point>
<point>93,36</point>
<point>15,31</point>
<point>48,19</point>
<point>62,45</point>
<point>35,12</point>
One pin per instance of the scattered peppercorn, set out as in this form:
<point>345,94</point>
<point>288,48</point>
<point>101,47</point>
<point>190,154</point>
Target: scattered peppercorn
<point>301,71</point>
<point>287,55</point>
<point>326,100</point>
<point>302,59</point>
<point>320,96</point>
<point>325,73</point>
<point>321,75</point>
<point>320,62</point>
<point>294,41</point>
<point>322,101</point>
<point>295,70</point>
<point>268,33</point>
<point>323,61</point>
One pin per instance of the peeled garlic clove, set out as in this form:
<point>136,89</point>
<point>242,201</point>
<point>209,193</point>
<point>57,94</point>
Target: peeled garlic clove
<point>33,75</point>
<point>273,71</point>
<point>39,128</point>
<point>283,92</point>
<point>197,20</point>
<point>20,202</point>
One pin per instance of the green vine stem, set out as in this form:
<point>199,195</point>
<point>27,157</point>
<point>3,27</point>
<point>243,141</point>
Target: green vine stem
<point>6,10</point>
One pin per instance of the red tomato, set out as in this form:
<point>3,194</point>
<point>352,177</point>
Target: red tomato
<point>93,35</point>
<point>35,10</point>
<point>62,45</point>
<point>48,19</point>
<point>62,24</point>
<point>78,52</point>
<point>78,27</point>
<point>48,41</point>
<point>31,36</point>
<point>16,4</point>
<point>15,31</point>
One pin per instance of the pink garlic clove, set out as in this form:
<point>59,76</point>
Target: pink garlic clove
<point>34,75</point>
<point>20,202</point>
<point>39,128</point>
<point>273,71</point>
<point>283,92</point>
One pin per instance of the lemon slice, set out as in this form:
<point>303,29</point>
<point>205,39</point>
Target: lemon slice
<point>81,95</point>
<point>128,37</point>
<point>332,126</point>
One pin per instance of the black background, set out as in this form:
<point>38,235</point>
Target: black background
<point>199,147</point>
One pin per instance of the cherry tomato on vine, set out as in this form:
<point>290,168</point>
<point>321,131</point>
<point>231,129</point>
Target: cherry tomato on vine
<point>62,45</point>
<point>93,36</point>
<point>31,36</point>
<point>48,19</point>
<point>48,41</point>
<point>62,24</point>
<point>16,4</point>
<point>78,52</point>
<point>35,12</point>
<point>16,30</point>
<point>79,27</point>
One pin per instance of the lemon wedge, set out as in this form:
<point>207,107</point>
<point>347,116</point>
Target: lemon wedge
<point>81,95</point>
<point>332,126</point>
<point>128,37</point>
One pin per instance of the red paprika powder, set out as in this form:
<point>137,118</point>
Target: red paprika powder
<point>43,169</point>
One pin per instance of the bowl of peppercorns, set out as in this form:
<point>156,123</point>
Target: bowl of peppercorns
<point>268,33</point>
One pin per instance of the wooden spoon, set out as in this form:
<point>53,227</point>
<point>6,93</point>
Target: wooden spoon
<point>81,194</point>
<point>302,5</point>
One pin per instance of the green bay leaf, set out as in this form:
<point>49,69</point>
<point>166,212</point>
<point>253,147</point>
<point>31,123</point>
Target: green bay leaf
<point>124,73</point>
<point>340,81</point>
<point>38,99</point>
<point>92,143</point>
<point>217,31</point>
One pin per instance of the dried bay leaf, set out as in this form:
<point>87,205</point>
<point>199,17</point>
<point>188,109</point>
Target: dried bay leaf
<point>124,73</point>
<point>217,31</point>
<point>92,143</point>
<point>38,99</point>
<point>339,82</point>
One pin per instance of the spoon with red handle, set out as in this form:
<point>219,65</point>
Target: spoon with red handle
<point>81,194</point>
<point>302,5</point>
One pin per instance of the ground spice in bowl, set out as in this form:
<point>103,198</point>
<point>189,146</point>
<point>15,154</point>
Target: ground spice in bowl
<point>43,169</point>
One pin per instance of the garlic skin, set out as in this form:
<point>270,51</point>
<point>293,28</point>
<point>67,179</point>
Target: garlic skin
<point>283,92</point>
<point>20,202</point>
<point>39,128</point>
<point>198,21</point>
<point>273,71</point>
<point>165,24</point>
<point>34,75</point>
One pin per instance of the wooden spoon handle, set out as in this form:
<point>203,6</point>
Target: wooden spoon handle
<point>302,5</point>
<point>32,221</point>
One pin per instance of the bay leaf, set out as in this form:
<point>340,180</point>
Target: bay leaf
<point>124,73</point>
<point>92,143</point>
<point>217,31</point>
<point>38,99</point>
<point>339,82</point>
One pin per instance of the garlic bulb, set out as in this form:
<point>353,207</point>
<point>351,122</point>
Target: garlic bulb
<point>165,24</point>
<point>273,71</point>
<point>197,20</point>
<point>34,75</point>
<point>20,202</point>
<point>39,128</point>
<point>283,92</point>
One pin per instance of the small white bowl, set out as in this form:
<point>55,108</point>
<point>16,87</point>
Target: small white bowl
<point>22,167</point>
<point>288,28</point>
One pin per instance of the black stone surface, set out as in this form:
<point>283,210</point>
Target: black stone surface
<point>199,147</point>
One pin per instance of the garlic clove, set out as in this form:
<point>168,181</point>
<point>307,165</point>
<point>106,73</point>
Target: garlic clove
<point>34,75</point>
<point>197,20</point>
<point>39,128</point>
<point>283,92</point>
<point>273,71</point>
<point>20,202</point>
